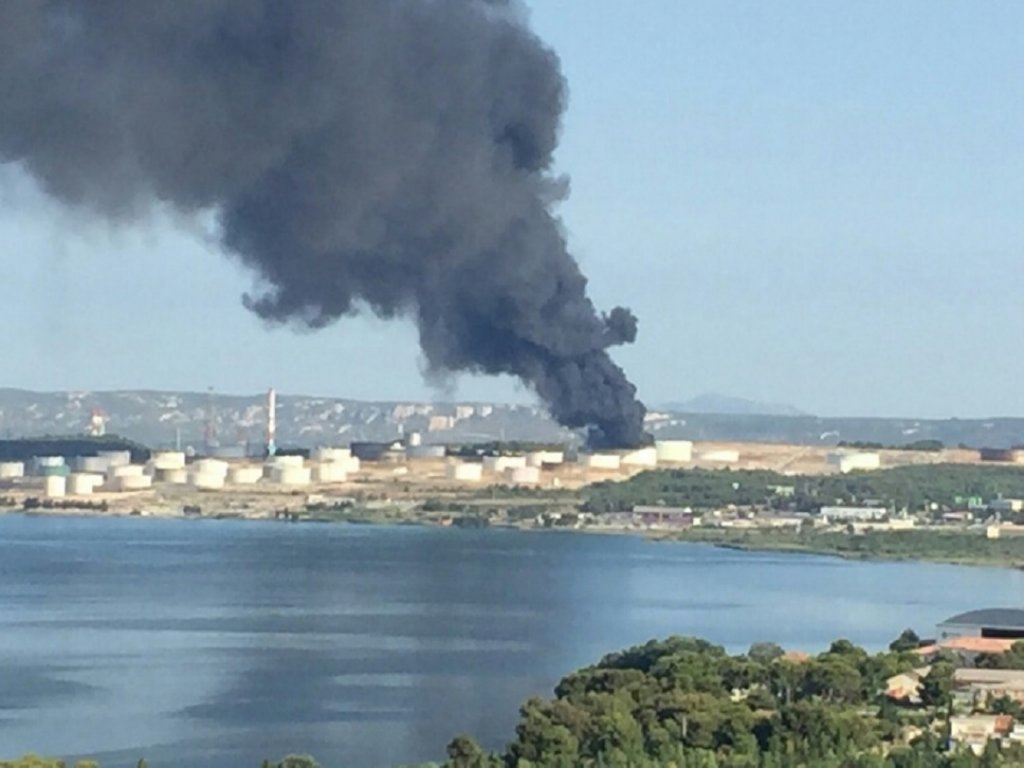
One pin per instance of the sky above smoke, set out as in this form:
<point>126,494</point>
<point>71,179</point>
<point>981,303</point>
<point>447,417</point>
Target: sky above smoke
<point>393,155</point>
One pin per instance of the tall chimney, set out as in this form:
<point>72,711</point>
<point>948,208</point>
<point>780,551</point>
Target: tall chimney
<point>271,422</point>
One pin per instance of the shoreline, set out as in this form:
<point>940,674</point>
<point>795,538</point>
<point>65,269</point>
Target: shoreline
<point>799,548</point>
<point>744,544</point>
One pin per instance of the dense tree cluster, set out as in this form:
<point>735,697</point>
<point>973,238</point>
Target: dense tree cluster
<point>686,703</point>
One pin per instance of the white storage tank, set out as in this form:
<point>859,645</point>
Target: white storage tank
<point>723,456</point>
<point>331,472</point>
<point>498,464</point>
<point>245,475</point>
<point>851,462</point>
<point>415,440</point>
<point>83,483</point>
<point>674,451</point>
<point>465,472</point>
<point>93,465</point>
<point>55,486</point>
<point>292,475</point>
<point>11,469</point>
<point>641,457</point>
<point>168,460</point>
<point>211,467</point>
<point>132,483</point>
<point>523,475</point>
<point>540,458</point>
<point>606,462</point>
<point>327,454</point>
<point>126,470</point>
<point>206,481</point>
<point>46,465</point>
<point>172,476</point>
<point>116,458</point>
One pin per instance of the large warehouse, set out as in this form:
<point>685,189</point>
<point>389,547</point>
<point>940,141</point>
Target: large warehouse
<point>1001,623</point>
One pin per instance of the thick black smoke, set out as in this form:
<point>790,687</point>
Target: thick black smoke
<point>394,154</point>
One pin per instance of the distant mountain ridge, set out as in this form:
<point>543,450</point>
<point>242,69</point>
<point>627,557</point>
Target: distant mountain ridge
<point>713,402</point>
<point>165,419</point>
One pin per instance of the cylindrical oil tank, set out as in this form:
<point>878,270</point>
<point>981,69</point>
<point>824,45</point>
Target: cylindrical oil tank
<point>169,460</point>
<point>674,451</point>
<point>292,475</point>
<point>47,465</point>
<point>608,462</point>
<point>11,469</point>
<point>211,467</point>
<point>641,457</point>
<point>83,483</point>
<point>92,465</point>
<point>60,470</point>
<point>540,458</point>
<point>206,481</point>
<point>172,476</point>
<point>426,452</point>
<point>132,483</point>
<point>332,454</point>
<point>55,486</point>
<point>415,440</point>
<point>116,458</point>
<point>126,470</point>
<point>498,464</point>
<point>245,475</point>
<point>331,472</point>
<point>465,472</point>
<point>523,475</point>
<point>849,462</point>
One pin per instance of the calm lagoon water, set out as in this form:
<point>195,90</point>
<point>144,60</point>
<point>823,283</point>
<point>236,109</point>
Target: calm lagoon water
<point>206,643</point>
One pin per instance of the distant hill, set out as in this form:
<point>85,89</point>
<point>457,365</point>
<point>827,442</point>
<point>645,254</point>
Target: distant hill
<point>163,419</point>
<point>712,402</point>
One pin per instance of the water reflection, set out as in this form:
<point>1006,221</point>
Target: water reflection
<point>207,643</point>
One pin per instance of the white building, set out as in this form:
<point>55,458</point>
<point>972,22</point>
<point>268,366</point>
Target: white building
<point>853,462</point>
<point>848,514</point>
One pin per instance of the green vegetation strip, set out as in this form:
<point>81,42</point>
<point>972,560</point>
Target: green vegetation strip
<point>906,487</point>
<point>960,548</point>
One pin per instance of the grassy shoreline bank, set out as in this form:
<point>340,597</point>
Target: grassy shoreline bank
<point>946,547</point>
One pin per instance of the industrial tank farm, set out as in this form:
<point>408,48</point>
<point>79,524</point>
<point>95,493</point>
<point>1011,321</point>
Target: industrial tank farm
<point>389,475</point>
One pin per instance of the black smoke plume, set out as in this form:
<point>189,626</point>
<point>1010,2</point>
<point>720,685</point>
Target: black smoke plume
<point>394,154</point>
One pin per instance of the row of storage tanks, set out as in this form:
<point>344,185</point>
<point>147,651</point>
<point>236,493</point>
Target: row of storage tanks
<point>112,471</point>
<point>526,470</point>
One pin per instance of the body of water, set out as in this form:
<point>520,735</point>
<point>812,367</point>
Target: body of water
<point>210,643</point>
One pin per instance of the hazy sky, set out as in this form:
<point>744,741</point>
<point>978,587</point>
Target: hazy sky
<point>817,203</point>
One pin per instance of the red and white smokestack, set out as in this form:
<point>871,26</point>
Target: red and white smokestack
<point>271,422</point>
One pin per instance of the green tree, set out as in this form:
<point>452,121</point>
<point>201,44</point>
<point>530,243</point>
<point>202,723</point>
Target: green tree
<point>298,761</point>
<point>907,641</point>
<point>937,686</point>
<point>765,653</point>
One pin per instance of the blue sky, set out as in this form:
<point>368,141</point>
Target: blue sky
<point>816,203</point>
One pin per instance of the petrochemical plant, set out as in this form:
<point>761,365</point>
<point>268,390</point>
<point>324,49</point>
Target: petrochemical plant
<point>107,476</point>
